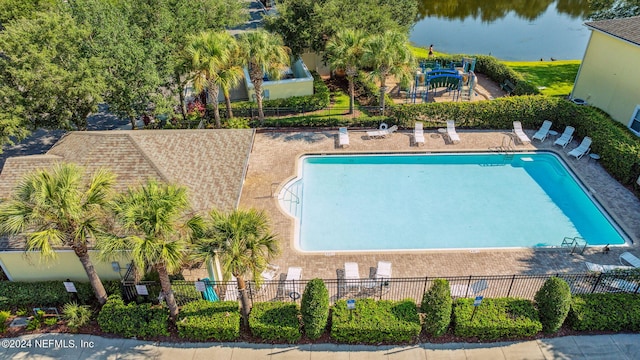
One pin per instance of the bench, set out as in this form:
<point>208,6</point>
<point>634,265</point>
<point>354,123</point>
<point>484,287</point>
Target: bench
<point>508,86</point>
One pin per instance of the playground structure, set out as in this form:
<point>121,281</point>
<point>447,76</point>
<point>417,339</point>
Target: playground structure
<point>457,79</point>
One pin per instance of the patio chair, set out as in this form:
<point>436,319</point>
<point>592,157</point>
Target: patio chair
<point>292,282</point>
<point>582,149</point>
<point>451,131</point>
<point>383,271</point>
<point>544,131</point>
<point>630,259</point>
<point>605,268</point>
<point>473,289</point>
<point>231,290</point>
<point>566,137</point>
<point>517,129</point>
<point>351,276</point>
<point>343,137</point>
<point>270,272</point>
<point>418,134</point>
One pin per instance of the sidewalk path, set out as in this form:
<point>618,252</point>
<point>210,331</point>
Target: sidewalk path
<point>67,346</point>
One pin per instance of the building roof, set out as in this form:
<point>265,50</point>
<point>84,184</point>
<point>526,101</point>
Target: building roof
<point>625,28</point>
<point>210,163</point>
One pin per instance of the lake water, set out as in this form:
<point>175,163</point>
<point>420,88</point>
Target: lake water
<point>546,29</point>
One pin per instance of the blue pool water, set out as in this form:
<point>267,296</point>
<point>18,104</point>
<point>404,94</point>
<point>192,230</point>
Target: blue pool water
<point>441,202</point>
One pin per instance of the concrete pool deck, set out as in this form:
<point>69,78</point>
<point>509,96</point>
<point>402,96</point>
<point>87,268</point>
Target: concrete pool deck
<point>273,161</point>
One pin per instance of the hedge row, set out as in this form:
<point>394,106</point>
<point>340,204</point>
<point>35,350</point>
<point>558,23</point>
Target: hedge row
<point>139,320</point>
<point>605,312</point>
<point>205,320</point>
<point>375,321</point>
<point>275,320</point>
<point>15,295</point>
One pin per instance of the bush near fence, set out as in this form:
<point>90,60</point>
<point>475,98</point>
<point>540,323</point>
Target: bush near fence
<point>437,306</point>
<point>501,318</point>
<point>205,320</point>
<point>276,320</point>
<point>605,312</point>
<point>140,320</point>
<point>48,293</point>
<point>375,321</point>
<point>315,308</point>
<point>618,148</point>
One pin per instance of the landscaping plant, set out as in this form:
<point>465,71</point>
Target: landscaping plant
<point>553,301</point>
<point>437,306</point>
<point>275,320</point>
<point>205,320</point>
<point>76,315</point>
<point>131,320</point>
<point>315,308</point>
<point>605,312</point>
<point>4,316</point>
<point>494,319</point>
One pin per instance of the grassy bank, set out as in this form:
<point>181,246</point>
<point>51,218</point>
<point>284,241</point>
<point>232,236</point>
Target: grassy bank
<point>553,78</point>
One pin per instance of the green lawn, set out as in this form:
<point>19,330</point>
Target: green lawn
<point>551,77</point>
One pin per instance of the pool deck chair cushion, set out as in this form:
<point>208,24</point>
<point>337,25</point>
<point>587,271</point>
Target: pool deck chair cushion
<point>544,131</point>
<point>383,271</point>
<point>582,149</point>
<point>418,134</point>
<point>343,137</point>
<point>270,272</point>
<point>382,133</point>
<point>292,282</point>
<point>566,137</point>
<point>630,259</point>
<point>517,129</point>
<point>604,268</point>
<point>473,289</point>
<point>351,275</point>
<point>451,131</point>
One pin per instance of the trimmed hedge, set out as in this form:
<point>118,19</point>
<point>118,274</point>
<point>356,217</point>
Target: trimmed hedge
<point>205,320</point>
<point>315,308</point>
<point>605,312</point>
<point>314,121</point>
<point>553,301</point>
<point>375,321</point>
<point>275,320</point>
<point>48,293</point>
<point>437,306</point>
<point>618,148</point>
<point>143,320</point>
<point>496,319</point>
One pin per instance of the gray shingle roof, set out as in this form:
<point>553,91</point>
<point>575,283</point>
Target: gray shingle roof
<point>625,28</point>
<point>210,163</point>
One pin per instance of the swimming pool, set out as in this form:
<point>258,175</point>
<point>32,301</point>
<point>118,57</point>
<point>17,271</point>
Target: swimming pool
<point>440,201</point>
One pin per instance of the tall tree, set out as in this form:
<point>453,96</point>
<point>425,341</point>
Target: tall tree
<point>48,75</point>
<point>55,208</point>
<point>245,244</point>
<point>388,54</point>
<point>155,229</point>
<point>263,52</point>
<point>344,52</point>
<point>214,64</point>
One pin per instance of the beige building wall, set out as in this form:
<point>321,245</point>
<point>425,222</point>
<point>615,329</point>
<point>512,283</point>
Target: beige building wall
<point>609,76</point>
<point>28,266</point>
<point>314,62</point>
<point>301,85</point>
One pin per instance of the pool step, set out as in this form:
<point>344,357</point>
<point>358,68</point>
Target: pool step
<point>290,198</point>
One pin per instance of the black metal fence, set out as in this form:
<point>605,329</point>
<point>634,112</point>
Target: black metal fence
<point>520,286</point>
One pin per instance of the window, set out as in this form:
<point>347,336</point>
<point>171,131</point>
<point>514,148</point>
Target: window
<point>634,124</point>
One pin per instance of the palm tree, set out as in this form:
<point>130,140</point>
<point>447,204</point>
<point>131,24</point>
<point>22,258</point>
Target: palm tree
<point>56,208</point>
<point>156,231</point>
<point>231,73</point>
<point>263,52</point>
<point>344,52</point>
<point>388,54</point>
<point>212,54</point>
<point>244,242</point>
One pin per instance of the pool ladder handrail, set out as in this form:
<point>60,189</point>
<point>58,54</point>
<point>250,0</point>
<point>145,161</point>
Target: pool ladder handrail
<point>273,193</point>
<point>575,244</point>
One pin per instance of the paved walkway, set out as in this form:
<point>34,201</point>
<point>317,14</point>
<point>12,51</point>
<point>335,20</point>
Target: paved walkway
<point>66,346</point>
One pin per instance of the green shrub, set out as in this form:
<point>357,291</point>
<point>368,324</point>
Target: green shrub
<point>553,301</point>
<point>275,321</point>
<point>140,320</point>
<point>375,321</point>
<point>314,121</point>
<point>50,321</point>
<point>496,319</point>
<point>437,306</point>
<point>205,320</point>
<point>76,315</point>
<point>315,308</point>
<point>47,293</point>
<point>4,316</point>
<point>36,321</point>
<point>605,312</point>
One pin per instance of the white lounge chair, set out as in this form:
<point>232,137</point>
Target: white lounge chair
<point>605,268</point>
<point>566,137</point>
<point>292,282</point>
<point>351,276</point>
<point>382,133</point>
<point>517,129</point>
<point>383,272</point>
<point>473,289</point>
<point>418,134</point>
<point>343,137</point>
<point>582,149</point>
<point>451,131</point>
<point>544,131</point>
<point>630,259</point>
<point>270,272</point>
<point>231,290</point>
